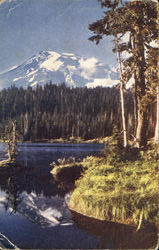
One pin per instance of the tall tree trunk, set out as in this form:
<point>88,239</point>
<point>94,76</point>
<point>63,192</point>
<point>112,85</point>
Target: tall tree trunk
<point>157,121</point>
<point>140,88</point>
<point>123,115</point>
<point>9,150</point>
<point>141,131</point>
<point>135,106</point>
<point>14,141</point>
<point>26,124</point>
<point>121,94</point>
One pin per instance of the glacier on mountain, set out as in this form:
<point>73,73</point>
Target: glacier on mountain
<point>48,66</point>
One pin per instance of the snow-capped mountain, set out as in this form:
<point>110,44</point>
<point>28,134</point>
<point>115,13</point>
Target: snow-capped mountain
<point>48,66</point>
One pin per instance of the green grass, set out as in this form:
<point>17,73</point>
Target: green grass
<point>119,189</point>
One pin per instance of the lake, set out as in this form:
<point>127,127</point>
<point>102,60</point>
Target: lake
<point>33,208</point>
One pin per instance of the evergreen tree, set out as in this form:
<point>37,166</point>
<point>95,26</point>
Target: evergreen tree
<point>58,111</point>
<point>139,20</point>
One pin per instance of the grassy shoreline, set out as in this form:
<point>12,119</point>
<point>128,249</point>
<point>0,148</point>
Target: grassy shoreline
<point>122,191</point>
<point>119,185</point>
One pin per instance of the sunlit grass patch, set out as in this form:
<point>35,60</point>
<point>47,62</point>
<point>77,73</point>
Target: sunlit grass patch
<point>125,192</point>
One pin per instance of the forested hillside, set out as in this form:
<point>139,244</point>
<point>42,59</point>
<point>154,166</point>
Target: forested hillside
<point>59,111</point>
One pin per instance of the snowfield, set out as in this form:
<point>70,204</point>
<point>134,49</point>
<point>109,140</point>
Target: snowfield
<point>48,66</point>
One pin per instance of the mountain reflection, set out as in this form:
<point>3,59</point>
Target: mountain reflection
<point>35,195</point>
<point>40,217</point>
<point>15,181</point>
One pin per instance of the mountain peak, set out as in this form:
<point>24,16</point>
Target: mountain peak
<point>47,66</point>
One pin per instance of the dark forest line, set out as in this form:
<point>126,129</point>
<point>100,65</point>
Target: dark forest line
<point>52,112</point>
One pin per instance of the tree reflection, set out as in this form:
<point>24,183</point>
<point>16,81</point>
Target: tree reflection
<point>115,235</point>
<point>15,181</point>
<point>9,184</point>
<point>12,198</point>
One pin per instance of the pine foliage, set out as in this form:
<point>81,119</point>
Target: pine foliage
<point>138,20</point>
<point>58,111</point>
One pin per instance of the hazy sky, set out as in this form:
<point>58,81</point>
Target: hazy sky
<point>30,26</point>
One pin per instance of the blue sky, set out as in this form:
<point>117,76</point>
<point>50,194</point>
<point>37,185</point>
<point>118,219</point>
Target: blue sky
<point>30,26</point>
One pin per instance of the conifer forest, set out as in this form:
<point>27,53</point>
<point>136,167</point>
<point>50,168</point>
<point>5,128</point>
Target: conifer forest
<point>59,111</point>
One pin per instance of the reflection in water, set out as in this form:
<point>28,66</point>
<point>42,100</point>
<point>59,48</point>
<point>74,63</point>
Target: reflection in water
<point>33,173</point>
<point>33,201</point>
<point>12,195</point>
<point>33,211</point>
<point>16,182</point>
<point>115,235</point>
<point>41,219</point>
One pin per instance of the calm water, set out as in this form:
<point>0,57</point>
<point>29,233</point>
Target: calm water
<point>33,210</point>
